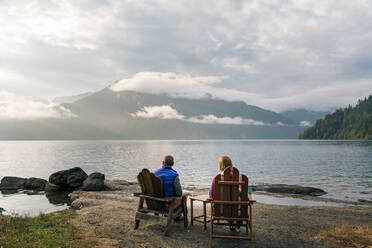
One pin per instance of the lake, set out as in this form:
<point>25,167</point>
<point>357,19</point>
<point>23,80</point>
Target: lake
<point>341,168</point>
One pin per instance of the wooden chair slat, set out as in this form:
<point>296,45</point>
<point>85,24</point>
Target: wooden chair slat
<point>148,188</point>
<point>226,191</point>
<point>244,197</point>
<point>235,192</point>
<point>217,195</point>
<point>157,188</point>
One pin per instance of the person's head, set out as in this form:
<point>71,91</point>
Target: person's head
<point>168,160</point>
<point>224,162</point>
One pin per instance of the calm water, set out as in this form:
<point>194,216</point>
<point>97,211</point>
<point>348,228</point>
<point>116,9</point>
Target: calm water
<point>342,168</point>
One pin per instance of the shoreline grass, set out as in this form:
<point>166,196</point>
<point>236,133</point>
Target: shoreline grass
<point>359,237</point>
<point>49,230</point>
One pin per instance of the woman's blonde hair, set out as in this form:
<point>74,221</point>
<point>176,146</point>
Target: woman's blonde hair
<point>224,162</point>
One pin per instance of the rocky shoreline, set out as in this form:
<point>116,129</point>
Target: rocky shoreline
<point>111,212</point>
<point>64,182</point>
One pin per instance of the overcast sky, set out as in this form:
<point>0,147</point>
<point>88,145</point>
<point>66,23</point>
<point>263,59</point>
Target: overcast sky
<point>274,54</point>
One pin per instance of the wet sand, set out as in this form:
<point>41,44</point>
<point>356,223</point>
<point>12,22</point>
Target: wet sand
<point>111,214</point>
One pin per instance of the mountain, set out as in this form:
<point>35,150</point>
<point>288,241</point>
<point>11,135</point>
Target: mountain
<point>133,115</point>
<point>70,99</point>
<point>303,116</point>
<point>348,123</point>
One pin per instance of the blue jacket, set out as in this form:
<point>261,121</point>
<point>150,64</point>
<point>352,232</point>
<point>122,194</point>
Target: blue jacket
<point>167,176</point>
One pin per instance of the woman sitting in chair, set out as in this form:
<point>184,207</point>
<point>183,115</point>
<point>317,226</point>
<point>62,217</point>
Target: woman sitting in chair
<point>223,162</point>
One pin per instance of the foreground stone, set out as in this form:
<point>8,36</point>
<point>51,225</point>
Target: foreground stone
<point>290,189</point>
<point>68,179</point>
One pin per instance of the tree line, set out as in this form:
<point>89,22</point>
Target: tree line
<point>348,123</point>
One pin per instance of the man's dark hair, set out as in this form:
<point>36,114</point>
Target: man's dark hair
<point>168,160</point>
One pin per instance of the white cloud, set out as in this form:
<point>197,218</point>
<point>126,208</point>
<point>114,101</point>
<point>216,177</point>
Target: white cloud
<point>18,107</point>
<point>180,85</point>
<point>168,112</point>
<point>305,123</point>
<point>193,87</point>
<point>161,112</point>
<point>212,119</point>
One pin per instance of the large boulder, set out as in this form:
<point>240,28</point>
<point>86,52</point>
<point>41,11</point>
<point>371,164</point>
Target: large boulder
<point>94,182</point>
<point>12,183</point>
<point>68,179</point>
<point>34,183</point>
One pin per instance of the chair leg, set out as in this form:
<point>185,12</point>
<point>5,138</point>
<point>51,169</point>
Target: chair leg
<point>170,219</point>
<point>136,225</point>
<point>184,203</point>
<point>211,229</point>
<point>140,205</point>
<point>192,211</point>
<point>211,233</point>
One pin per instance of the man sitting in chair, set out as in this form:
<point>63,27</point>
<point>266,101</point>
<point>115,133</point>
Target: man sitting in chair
<point>169,177</point>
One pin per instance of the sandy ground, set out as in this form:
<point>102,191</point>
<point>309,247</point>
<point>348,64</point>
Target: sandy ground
<point>111,215</point>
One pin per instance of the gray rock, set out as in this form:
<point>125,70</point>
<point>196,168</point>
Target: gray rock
<point>49,187</point>
<point>33,183</point>
<point>8,183</point>
<point>295,189</point>
<point>68,179</point>
<point>94,182</point>
<point>290,189</point>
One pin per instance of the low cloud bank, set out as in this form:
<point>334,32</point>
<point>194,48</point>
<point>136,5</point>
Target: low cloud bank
<point>180,86</point>
<point>176,85</point>
<point>161,112</point>
<point>168,112</point>
<point>18,107</point>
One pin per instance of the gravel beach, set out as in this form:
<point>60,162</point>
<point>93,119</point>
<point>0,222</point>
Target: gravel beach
<point>111,213</point>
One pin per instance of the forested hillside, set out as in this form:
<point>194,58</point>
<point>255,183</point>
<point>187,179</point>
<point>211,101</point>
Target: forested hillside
<point>349,123</point>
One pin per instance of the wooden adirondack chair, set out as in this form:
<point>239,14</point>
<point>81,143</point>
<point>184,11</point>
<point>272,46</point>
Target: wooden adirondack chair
<point>157,206</point>
<point>231,204</point>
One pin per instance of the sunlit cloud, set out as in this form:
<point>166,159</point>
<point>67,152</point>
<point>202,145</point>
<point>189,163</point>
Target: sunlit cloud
<point>168,112</point>
<point>161,112</point>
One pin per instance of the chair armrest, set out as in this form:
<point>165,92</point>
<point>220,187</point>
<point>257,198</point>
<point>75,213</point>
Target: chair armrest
<point>167,200</point>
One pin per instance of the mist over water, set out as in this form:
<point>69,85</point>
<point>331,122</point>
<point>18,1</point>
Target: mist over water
<point>341,168</point>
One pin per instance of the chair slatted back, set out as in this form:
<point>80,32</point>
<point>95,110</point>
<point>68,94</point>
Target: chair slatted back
<point>231,187</point>
<point>151,185</point>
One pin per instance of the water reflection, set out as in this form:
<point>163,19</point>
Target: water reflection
<point>29,203</point>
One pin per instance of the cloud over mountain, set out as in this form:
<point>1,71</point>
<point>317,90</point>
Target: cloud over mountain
<point>168,112</point>
<point>18,107</point>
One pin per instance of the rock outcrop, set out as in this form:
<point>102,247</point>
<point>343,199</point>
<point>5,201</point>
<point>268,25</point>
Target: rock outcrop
<point>36,184</point>
<point>19,183</point>
<point>290,189</point>
<point>68,179</point>
<point>94,182</point>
